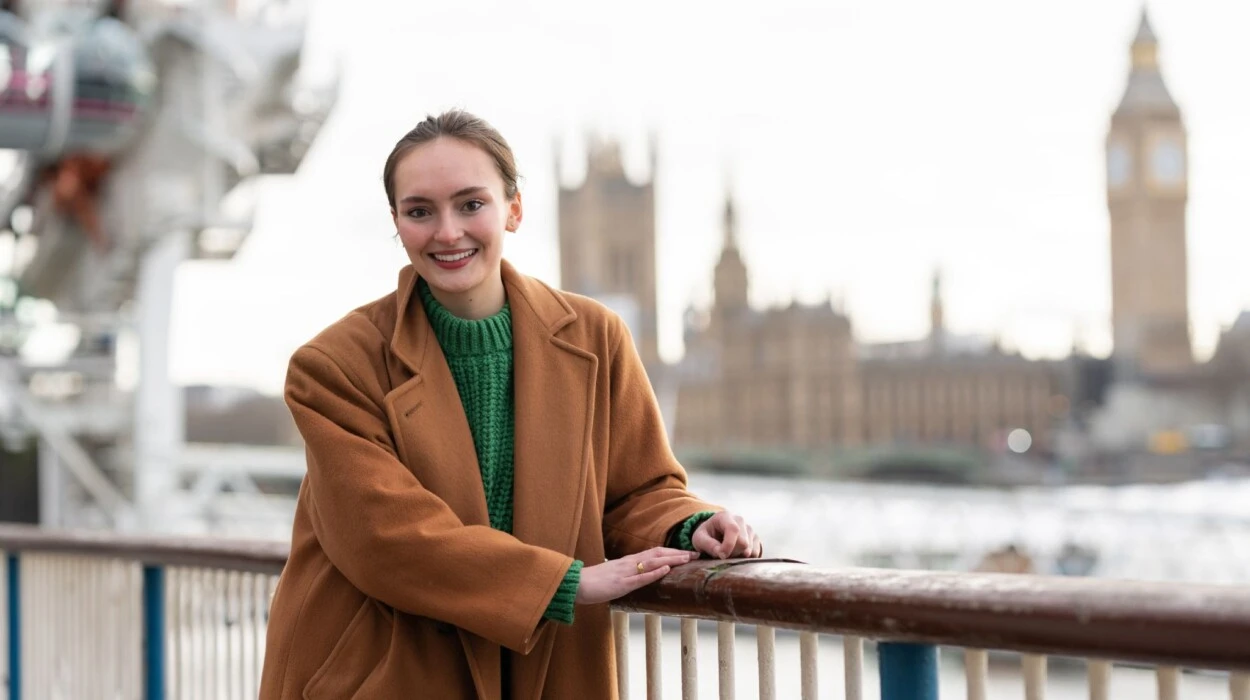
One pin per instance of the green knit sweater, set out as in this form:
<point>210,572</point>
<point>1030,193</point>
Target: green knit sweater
<point>479,354</point>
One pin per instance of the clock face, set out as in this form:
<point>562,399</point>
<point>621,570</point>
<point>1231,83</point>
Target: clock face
<point>1167,161</point>
<point>1119,165</point>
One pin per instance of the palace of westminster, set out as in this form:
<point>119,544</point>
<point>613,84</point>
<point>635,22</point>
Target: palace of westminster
<point>795,378</point>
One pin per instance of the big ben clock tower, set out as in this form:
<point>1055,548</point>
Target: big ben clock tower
<point>1147,192</point>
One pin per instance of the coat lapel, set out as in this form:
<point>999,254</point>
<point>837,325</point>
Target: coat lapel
<point>427,418</point>
<point>555,385</point>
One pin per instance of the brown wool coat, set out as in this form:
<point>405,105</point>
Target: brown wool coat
<point>396,586</point>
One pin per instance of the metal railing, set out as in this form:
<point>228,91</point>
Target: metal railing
<point>100,615</point>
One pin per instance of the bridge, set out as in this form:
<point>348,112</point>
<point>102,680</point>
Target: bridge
<point>102,615</point>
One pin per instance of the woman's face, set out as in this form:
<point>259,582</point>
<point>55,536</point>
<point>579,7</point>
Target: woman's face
<point>451,214</point>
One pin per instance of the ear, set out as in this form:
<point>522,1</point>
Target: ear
<point>395,218</point>
<point>514,213</point>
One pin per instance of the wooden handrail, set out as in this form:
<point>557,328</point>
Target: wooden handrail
<point>254,556</point>
<point>1161,623</point>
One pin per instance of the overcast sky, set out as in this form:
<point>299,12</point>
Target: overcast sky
<point>867,142</point>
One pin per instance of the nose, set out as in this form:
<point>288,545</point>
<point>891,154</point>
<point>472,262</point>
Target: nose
<point>447,232</point>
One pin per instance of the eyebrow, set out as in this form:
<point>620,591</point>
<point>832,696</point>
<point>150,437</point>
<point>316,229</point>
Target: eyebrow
<point>413,198</point>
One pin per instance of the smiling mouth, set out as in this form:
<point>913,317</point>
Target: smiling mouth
<point>453,257</point>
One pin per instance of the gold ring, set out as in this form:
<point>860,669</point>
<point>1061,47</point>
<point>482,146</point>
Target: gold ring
<point>641,569</point>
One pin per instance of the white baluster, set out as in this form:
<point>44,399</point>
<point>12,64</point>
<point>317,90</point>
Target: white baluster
<point>134,628</point>
<point>80,665</point>
<point>100,601</point>
<point>89,673</point>
<point>655,681</point>
<point>65,594</point>
<point>809,645</point>
<point>116,604</point>
<point>1169,680</point>
<point>260,590</point>
<point>766,650</point>
<point>1034,668</point>
<point>1239,686</point>
<point>198,678</point>
<point>976,672</point>
<point>689,659</point>
<point>853,667</point>
<point>34,628</point>
<point>620,633</point>
<point>230,609</point>
<point>30,636</point>
<point>1099,679</point>
<point>212,634</point>
<point>244,622</point>
<point>725,658</point>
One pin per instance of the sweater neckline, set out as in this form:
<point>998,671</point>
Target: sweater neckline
<point>461,337</point>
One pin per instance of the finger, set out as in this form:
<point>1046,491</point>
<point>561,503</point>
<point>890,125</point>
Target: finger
<point>728,540</point>
<point>746,539</point>
<point>675,560</point>
<point>639,580</point>
<point>660,552</point>
<point>704,542</point>
<point>645,566</point>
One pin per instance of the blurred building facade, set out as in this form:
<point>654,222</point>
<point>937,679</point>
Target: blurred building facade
<point>607,243</point>
<point>796,377</point>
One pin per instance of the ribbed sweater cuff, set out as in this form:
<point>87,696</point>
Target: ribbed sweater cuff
<point>682,536</point>
<point>560,609</point>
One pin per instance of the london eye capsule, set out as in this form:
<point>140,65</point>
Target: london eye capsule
<point>83,92</point>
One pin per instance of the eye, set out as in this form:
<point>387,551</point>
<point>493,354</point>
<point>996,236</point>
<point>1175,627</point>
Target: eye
<point>473,205</point>
<point>418,212</point>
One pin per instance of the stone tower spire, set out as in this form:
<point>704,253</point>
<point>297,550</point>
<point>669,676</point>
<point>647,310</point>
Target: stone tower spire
<point>937,322</point>
<point>730,277</point>
<point>1147,197</point>
<point>1145,92</point>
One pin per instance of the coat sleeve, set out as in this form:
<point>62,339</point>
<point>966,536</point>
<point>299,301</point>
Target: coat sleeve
<point>395,540</point>
<point>646,486</point>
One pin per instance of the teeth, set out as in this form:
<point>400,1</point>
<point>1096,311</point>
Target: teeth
<point>453,258</point>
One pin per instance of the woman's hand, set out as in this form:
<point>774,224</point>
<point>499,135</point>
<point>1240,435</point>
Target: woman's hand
<point>610,580</point>
<point>726,535</point>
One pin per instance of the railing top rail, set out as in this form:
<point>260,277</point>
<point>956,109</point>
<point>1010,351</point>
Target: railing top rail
<point>253,556</point>
<point>1182,624</point>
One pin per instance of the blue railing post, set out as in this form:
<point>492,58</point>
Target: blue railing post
<point>908,671</point>
<point>14,603</point>
<point>154,632</point>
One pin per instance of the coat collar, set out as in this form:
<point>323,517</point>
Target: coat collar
<point>414,336</point>
<point>554,384</point>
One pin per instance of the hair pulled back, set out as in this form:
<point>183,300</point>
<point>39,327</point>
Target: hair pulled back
<point>456,124</point>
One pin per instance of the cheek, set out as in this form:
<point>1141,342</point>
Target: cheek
<point>487,229</point>
<point>412,234</point>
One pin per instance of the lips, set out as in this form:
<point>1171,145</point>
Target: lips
<point>453,259</point>
<point>454,256</point>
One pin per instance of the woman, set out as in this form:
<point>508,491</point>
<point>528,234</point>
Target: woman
<point>487,467</point>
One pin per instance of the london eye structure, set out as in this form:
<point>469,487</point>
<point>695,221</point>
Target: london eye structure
<point>132,134</point>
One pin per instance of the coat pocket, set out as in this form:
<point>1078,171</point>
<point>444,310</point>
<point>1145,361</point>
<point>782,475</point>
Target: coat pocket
<point>359,651</point>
